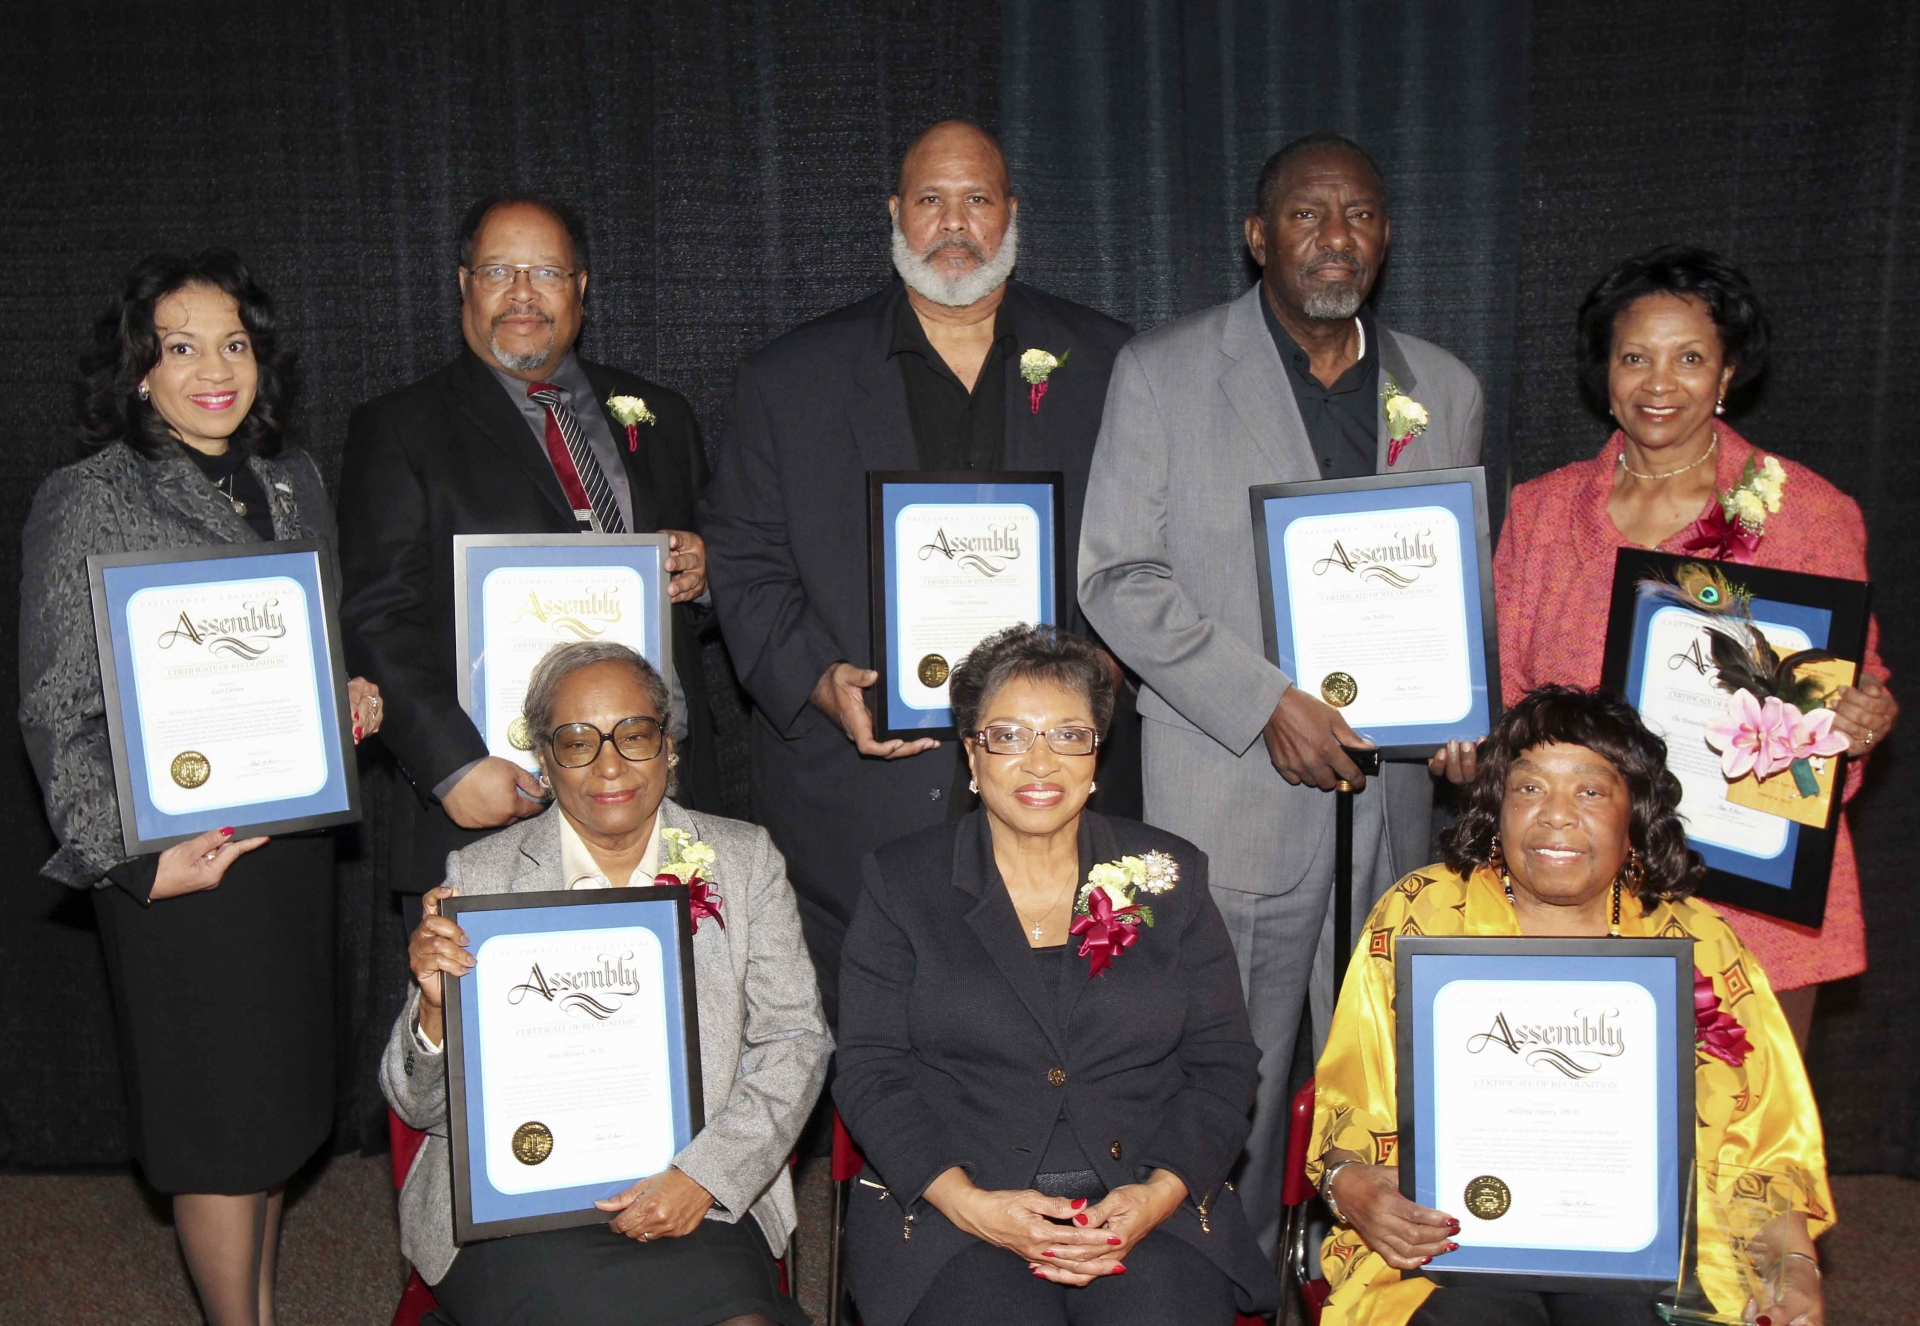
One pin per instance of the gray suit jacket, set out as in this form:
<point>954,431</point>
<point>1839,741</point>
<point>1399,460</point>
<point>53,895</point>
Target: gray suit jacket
<point>1167,575</point>
<point>764,1042</point>
<point>116,501</point>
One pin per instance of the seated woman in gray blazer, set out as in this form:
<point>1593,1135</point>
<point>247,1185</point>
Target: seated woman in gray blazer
<point>1044,1052</point>
<point>676,1246</point>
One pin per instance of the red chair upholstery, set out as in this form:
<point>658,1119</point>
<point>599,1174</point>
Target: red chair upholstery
<point>1299,1264</point>
<point>416,1299</point>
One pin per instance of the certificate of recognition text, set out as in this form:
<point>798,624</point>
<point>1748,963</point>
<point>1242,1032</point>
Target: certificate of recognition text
<point>1543,1092</point>
<point>964,571</point>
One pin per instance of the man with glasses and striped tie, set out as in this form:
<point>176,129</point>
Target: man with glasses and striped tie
<point>516,436</point>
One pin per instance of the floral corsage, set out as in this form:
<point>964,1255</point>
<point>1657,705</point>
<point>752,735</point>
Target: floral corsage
<point>1036,366</point>
<point>1108,915</point>
<point>1406,419</point>
<point>1715,1030</point>
<point>631,411</point>
<point>1731,531</point>
<point>689,862</point>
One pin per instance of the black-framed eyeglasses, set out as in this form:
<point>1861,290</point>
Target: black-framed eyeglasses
<point>500,275</point>
<point>1010,739</point>
<point>576,745</point>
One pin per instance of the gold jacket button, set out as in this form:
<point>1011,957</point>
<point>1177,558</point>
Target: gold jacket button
<point>1056,1077</point>
<point>1114,1151</point>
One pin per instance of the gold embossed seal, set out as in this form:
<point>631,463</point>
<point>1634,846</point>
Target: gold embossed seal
<point>933,670</point>
<point>532,1143</point>
<point>1338,689</point>
<point>1488,1198</point>
<point>518,736</point>
<point>190,769</point>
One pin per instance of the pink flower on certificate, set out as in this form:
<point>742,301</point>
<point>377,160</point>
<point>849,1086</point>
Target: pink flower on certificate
<point>1753,738</point>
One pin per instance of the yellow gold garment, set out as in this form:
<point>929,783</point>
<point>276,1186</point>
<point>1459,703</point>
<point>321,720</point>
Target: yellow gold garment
<point>1759,1116</point>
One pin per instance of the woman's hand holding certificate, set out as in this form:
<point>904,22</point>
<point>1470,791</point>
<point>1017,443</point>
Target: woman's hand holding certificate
<point>1405,1234</point>
<point>667,1205</point>
<point>438,946</point>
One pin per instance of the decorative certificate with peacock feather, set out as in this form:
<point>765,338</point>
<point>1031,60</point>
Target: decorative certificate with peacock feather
<point>1736,667</point>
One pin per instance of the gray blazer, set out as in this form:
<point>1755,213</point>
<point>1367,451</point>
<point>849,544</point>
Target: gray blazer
<point>116,501</point>
<point>1167,574</point>
<point>764,1042</point>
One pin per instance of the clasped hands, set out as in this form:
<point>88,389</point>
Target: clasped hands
<point>1094,1243</point>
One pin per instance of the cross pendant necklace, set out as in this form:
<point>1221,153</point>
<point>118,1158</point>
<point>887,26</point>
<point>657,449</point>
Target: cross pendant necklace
<point>1036,930</point>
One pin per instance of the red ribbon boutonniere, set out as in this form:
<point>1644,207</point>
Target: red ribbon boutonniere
<point>1406,418</point>
<point>1715,1030</point>
<point>1105,931</point>
<point>687,856</point>
<point>704,898</point>
<point>631,411</point>
<point>1036,366</point>
<point>1723,540</point>
<point>1731,530</point>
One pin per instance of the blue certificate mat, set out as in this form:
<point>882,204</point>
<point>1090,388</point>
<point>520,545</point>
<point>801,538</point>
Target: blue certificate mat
<point>226,694</point>
<point>1376,595</point>
<point>1546,1102</point>
<point>573,1047</point>
<point>956,556</point>
<point>518,595</point>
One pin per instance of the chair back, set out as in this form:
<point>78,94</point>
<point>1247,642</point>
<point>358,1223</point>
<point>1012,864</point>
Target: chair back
<point>847,1160</point>
<point>1294,1188</point>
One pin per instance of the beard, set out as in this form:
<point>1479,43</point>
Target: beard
<point>1331,303</point>
<point>960,289</point>
<point>518,363</point>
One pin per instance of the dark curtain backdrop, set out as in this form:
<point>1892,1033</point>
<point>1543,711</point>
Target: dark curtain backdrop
<point>733,160</point>
<point>1788,137</point>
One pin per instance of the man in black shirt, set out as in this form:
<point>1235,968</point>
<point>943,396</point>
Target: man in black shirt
<point>924,374</point>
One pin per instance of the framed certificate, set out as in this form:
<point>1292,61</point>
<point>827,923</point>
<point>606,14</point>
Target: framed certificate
<point>518,595</point>
<point>573,1053</point>
<point>1546,1102</point>
<point>225,691</point>
<point>1767,843</point>
<point>956,556</point>
<point>1377,596</point>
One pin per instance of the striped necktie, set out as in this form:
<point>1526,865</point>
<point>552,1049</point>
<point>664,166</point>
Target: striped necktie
<point>573,461</point>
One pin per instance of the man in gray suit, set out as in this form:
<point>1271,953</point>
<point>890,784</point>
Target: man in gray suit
<point>1285,383</point>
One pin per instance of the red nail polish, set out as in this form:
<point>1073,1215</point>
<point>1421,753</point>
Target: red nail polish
<point>1039,1275</point>
<point>1763,1321</point>
<point>1425,1260</point>
<point>1079,1202</point>
<point>1113,1242</point>
<point>1453,1247</point>
<point>1119,1268</point>
<point>1079,1220</point>
<point>226,833</point>
<point>1046,1254</point>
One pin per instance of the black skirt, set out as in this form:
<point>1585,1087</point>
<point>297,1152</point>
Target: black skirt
<point>591,1276</point>
<point>224,1005</point>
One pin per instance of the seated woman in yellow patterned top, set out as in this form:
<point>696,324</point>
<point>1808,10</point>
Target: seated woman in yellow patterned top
<point>1570,827</point>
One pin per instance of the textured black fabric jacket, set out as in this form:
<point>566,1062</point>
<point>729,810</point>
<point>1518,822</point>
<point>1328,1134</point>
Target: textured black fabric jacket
<point>450,455</point>
<point>954,1052</point>
<point>786,530</point>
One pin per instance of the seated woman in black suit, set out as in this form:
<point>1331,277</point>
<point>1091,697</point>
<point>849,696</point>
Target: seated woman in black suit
<point>1044,1052</point>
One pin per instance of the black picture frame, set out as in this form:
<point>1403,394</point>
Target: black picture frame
<point>1416,744</point>
<point>888,717</point>
<point>1500,950</point>
<point>1730,877</point>
<point>459,1134</point>
<point>324,612</point>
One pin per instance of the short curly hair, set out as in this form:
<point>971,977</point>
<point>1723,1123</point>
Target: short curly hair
<point>1608,726</point>
<point>1045,653</point>
<point>126,346</point>
<point>1673,269</point>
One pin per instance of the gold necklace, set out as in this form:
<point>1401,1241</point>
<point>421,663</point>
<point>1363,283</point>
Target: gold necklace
<point>1613,929</point>
<point>1705,456</point>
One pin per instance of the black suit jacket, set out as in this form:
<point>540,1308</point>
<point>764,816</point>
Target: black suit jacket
<point>450,455</point>
<point>953,1050</point>
<point>786,529</point>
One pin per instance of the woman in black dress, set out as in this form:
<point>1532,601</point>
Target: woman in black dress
<point>220,951</point>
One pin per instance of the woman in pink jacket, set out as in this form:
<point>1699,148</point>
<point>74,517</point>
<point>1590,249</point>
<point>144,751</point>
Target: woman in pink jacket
<point>1662,340</point>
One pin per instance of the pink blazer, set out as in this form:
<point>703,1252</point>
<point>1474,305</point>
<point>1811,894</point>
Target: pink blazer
<point>1553,575</point>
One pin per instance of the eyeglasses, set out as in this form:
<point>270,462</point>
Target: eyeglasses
<point>500,275</point>
<point>576,745</point>
<point>1006,739</point>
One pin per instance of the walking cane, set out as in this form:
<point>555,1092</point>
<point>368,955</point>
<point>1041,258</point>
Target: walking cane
<point>1367,760</point>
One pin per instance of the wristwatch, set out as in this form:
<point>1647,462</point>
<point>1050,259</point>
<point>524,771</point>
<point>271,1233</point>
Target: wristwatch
<point>1326,1189</point>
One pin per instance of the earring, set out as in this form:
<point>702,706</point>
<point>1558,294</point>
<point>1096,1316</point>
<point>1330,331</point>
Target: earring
<point>145,392</point>
<point>544,780</point>
<point>1721,406</point>
<point>973,787</point>
<point>1495,857</point>
<point>1093,787</point>
<point>673,759</point>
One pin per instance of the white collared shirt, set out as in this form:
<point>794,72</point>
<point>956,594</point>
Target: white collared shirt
<point>581,871</point>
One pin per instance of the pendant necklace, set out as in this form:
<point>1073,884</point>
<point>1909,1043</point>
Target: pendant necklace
<point>224,485</point>
<point>1039,927</point>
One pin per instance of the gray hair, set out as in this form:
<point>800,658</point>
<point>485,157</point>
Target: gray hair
<point>1045,653</point>
<point>562,661</point>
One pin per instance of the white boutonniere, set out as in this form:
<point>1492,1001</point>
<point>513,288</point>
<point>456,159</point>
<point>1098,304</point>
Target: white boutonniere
<point>1406,419</point>
<point>690,862</point>
<point>1108,911</point>
<point>1756,496</point>
<point>631,411</point>
<point>1036,366</point>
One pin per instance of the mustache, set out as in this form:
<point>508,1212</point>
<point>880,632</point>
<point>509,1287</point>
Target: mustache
<point>520,311</point>
<point>1346,260</point>
<point>953,242</point>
